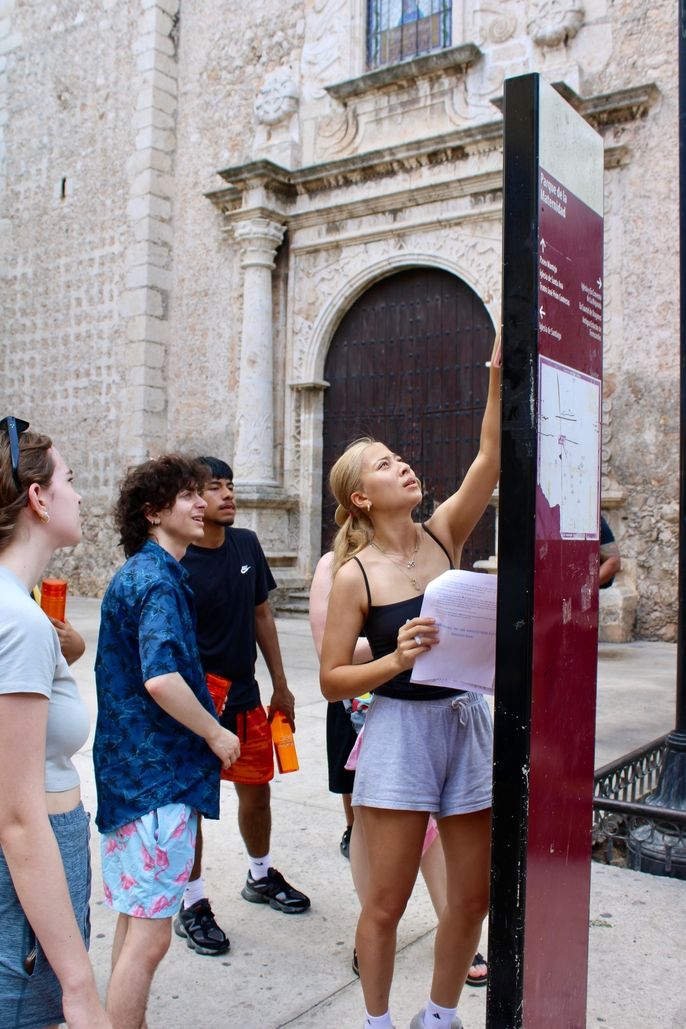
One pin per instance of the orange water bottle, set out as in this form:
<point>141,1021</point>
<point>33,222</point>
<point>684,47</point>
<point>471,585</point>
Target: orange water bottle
<point>284,745</point>
<point>53,598</point>
<point>218,689</point>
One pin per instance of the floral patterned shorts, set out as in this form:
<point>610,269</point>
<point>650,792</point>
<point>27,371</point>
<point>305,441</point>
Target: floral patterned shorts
<point>146,864</point>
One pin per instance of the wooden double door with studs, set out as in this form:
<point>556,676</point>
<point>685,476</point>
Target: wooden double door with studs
<point>407,366</point>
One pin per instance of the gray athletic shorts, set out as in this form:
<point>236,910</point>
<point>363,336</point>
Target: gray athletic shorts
<point>426,755</point>
<point>31,997</point>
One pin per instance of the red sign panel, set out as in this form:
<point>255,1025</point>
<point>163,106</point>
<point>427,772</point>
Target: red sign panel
<point>570,297</point>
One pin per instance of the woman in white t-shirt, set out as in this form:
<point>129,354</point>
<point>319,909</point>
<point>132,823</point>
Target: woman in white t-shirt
<point>45,975</point>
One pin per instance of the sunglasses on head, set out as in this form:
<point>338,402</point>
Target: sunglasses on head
<point>14,428</point>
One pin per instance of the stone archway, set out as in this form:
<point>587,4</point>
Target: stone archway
<point>407,365</point>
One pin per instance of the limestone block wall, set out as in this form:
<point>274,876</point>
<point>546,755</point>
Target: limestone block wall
<point>641,331</point>
<point>89,132</point>
<point>64,239</point>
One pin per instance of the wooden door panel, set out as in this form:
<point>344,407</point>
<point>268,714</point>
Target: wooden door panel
<point>407,366</point>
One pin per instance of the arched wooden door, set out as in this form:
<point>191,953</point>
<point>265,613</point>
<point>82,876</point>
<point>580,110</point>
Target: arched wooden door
<point>407,366</point>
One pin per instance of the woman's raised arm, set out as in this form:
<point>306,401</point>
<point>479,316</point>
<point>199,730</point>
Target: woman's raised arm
<point>454,520</point>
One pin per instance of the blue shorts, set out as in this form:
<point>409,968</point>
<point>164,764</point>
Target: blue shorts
<point>426,755</point>
<point>146,864</point>
<point>32,999</point>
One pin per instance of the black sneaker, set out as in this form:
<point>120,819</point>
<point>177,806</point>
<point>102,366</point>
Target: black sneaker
<point>198,927</point>
<point>345,842</point>
<point>275,891</point>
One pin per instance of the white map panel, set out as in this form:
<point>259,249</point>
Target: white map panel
<point>569,446</point>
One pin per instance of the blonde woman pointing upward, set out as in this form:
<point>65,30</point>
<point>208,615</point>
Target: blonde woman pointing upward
<point>427,750</point>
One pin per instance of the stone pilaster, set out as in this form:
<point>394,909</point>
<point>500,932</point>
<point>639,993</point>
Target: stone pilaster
<point>305,470</point>
<point>145,301</point>
<point>259,240</point>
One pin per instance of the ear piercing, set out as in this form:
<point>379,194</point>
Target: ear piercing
<point>44,516</point>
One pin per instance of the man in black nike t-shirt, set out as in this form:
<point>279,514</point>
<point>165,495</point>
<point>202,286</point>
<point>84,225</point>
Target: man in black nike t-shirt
<point>231,580</point>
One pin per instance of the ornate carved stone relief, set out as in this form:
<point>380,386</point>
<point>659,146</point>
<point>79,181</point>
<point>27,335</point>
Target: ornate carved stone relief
<point>278,97</point>
<point>337,134</point>
<point>296,427</point>
<point>276,109</point>
<point>328,282</point>
<point>471,99</point>
<point>552,22</point>
<point>494,23</point>
<point>327,20</point>
<point>612,318</point>
<point>255,433</point>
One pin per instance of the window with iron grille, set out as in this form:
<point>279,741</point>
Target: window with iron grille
<point>400,29</point>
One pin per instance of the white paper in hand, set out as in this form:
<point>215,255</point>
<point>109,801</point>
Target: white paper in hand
<point>464,606</point>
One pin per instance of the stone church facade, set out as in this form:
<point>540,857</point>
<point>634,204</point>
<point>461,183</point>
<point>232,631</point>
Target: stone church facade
<point>196,194</point>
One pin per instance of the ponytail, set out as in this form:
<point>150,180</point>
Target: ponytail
<point>355,527</point>
<point>352,537</point>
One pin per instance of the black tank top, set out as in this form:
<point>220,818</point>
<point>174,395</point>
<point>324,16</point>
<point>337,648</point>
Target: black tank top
<point>381,629</point>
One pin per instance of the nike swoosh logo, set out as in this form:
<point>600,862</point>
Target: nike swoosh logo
<point>244,569</point>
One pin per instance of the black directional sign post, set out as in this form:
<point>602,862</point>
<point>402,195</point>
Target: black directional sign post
<point>548,562</point>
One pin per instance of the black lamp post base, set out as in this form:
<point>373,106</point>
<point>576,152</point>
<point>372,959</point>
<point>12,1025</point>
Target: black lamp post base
<point>661,849</point>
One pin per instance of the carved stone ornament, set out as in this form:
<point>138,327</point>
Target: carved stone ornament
<point>278,97</point>
<point>552,22</point>
<point>495,24</point>
<point>327,39</point>
<point>338,133</point>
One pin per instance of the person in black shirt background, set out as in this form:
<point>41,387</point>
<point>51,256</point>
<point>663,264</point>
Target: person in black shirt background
<point>610,559</point>
<point>231,581</point>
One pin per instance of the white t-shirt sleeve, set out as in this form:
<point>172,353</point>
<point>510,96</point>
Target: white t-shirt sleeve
<point>29,651</point>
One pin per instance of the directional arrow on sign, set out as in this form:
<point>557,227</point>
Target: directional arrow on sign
<point>600,283</point>
<point>541,312</point>
<point>543,245</point>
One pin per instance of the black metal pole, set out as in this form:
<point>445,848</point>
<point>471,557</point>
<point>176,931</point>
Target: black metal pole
<point>680,724</point>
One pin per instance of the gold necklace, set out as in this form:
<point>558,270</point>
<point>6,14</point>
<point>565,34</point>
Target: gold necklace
<point>401,566</point>
<point>413,560</point>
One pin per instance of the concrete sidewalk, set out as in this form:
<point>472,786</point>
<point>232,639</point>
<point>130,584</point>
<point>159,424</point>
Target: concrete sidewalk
<point>295,970</point>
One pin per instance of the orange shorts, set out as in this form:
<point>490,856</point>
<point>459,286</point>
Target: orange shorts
<point>255,766</point>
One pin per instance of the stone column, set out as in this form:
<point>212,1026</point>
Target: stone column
<point>254,449</point>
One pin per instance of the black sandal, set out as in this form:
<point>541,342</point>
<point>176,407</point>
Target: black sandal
<point>480,980</point>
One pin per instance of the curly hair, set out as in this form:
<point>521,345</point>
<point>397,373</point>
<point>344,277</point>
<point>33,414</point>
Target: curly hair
<point>152,487</point>
<point>36,464</point>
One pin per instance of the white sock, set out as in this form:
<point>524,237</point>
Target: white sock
<point>436,1017</point>
<point>194,892</point>
<point>260,866</point>
<point>378,1021</point>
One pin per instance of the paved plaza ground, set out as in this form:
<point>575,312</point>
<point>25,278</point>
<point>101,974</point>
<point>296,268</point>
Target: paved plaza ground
<point>295,970</point>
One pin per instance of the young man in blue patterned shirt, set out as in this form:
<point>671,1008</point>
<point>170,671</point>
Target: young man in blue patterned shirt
<point>159,746</point>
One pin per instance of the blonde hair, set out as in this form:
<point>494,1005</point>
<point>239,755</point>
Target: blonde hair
<point>355,526</point>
